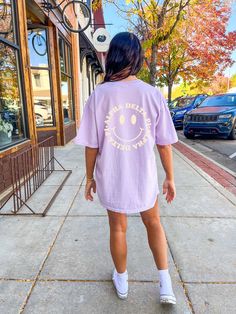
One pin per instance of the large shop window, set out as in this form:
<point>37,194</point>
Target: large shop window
<point>12,121</point>
<point>40,74</point>
<point>66,80</point>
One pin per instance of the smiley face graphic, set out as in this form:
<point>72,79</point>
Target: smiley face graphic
<point>129,121</point>
<point>127,127</point>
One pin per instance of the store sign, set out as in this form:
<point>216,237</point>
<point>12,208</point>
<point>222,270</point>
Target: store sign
<point>101,39</point>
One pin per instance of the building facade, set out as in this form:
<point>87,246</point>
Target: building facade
<point>46,75</point>
<point>92,62</point>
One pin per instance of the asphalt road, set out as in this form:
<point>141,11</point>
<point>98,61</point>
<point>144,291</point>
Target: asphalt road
<point>221,150</point>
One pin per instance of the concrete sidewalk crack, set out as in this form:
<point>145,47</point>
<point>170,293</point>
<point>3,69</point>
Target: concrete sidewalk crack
<point>93,280</point>
<point>17,279</point>
<point>211,282</point>
<point>109,280</point>
<point>181,280</point>
<point>23,305</point>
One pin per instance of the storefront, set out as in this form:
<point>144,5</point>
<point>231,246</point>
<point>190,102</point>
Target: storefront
<point>47,72</point>
<point>39,75</point>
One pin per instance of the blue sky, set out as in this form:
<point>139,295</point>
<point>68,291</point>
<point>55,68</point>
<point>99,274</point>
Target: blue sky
<point>120,25</point>
<point>232,27</point>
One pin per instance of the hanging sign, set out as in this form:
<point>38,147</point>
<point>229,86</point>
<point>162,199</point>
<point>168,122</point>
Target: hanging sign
<point>101,39</point>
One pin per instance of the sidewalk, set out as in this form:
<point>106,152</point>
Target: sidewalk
<point>60,264</point>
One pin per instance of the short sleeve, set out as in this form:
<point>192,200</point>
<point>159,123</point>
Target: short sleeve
<point>165,132</point>
<point>87,134</point>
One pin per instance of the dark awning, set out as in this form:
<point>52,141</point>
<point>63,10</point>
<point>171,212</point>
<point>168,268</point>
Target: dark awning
<point>87,49</point>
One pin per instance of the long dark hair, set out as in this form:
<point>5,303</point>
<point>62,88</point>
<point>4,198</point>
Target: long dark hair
<point>124,57</point>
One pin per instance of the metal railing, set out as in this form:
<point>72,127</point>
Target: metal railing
<point>29,170</point>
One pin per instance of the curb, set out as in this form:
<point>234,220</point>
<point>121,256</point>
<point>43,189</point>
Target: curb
<point>219,178</point>
<point>210,160</point>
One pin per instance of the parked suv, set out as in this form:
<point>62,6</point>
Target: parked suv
<point>181,105</point>
<point>216,115</point>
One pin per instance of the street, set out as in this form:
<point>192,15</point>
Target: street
<point>221,150</point>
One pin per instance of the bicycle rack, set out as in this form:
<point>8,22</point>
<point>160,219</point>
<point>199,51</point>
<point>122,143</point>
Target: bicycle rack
<point>29,170</point>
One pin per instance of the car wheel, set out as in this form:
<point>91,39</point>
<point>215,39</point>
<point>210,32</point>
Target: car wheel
<point>189,136</point>
<point>232,135</point>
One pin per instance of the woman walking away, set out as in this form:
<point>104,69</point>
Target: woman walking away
<point>123,119</point>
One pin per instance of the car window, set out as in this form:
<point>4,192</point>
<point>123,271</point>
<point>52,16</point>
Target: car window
<point>199,100</point>
<point>182,102</point>
<point>185,102</point>
<point>219,100</point>
<point>173,103</point>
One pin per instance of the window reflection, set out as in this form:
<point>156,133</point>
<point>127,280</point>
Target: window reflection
<point>66,80</point>
<point>40,74</point>
<point>66,97</point>
<point>68,54</point>
<point>42,97</point>
<point>11,111</point>
<point>6,23</point>
<point>37,41</point>
<point>62,54</point>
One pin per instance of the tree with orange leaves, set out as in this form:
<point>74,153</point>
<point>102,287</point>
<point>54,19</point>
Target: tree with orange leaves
<point>200,47</point>
<point>153,21</point>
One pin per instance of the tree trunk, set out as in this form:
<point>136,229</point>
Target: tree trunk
<point>153,65</point>
<point>170,85</point>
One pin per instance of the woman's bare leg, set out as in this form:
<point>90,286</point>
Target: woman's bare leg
<point>156,236</point>
<point>118,245</point>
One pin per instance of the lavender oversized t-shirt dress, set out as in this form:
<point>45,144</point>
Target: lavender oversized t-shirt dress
<point>125,119</point>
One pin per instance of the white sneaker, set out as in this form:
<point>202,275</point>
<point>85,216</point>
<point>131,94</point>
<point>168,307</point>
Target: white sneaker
<point>167,295</point>
<point>167,299</point>
<point>120,284</point>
